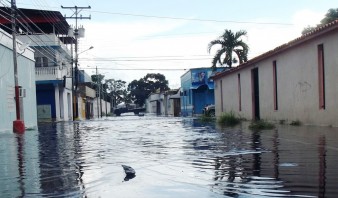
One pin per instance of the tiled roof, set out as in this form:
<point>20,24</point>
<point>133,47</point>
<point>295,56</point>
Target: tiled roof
<point>310,35</point>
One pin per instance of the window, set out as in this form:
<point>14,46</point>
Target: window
<point>275,91</point>
<point>41,62</point>
<point>321,76</point>
<point>239,92</point>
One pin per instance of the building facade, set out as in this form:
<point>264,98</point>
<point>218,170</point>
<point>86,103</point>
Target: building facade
<point>26,79</point>
<point>165,103</point>
<point>53,61</point>
<point>293,82</point>
<point>197,90</point>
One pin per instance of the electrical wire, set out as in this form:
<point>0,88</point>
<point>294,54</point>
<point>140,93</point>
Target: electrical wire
<point>182,18</point>
<point>189,19</point>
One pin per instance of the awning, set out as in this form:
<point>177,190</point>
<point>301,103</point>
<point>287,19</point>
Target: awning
<point>210,86</point>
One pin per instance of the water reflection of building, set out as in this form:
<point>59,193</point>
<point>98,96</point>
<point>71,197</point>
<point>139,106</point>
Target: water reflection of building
<point>286,161</point>
<point>60,164</point>
<point>19,167</point>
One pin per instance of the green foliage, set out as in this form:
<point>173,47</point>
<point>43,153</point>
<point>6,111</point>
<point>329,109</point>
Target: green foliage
<point>261,125</point>
<point>207,118</point>
<point>140,89</point>
<point>97,78</point>
<point>230,43</point>
<point>118,91</point>
<point>330,16</point>
<point>228,119</point>
<point>296,123</point>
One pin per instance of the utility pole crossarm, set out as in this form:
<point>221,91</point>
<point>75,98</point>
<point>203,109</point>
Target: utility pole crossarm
<point>81,17</point>
<point>75,16</point>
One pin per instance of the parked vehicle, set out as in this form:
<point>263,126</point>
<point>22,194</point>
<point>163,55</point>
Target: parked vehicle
<point>209,110</point>
<point>125,108</point>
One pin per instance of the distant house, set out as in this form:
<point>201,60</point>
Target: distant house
<point>26,78</point>
<point>165,103</point>
<point>87,105</point>
<point>46,32</point>
<point>197,90</point>
<point>296,81</point>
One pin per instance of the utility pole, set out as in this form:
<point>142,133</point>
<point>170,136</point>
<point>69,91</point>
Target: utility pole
<point>76,16</point>
<point>18,124</point>
<point>98,96</point>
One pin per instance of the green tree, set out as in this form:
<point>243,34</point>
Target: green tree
<point>97,78</point>
<point>140,89</point>
<point>230,43</point>
<point>118,91</point>
<point>330,16</point>
<point>99,86</point>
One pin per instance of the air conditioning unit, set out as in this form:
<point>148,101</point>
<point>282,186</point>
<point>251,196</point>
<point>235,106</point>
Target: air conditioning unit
<point>22,92</point>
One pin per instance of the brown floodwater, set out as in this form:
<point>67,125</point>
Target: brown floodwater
<point>172,157</point>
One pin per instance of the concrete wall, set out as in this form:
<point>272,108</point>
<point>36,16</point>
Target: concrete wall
<point>26,77</point>
<point>297,85</point>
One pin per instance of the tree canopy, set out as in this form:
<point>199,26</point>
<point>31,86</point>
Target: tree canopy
<point>230,43</point>
<point>330,16</point>
<point>140,89</point>
<point>118,91</point>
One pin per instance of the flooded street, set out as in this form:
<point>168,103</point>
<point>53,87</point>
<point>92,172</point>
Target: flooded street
<point>172,157</point>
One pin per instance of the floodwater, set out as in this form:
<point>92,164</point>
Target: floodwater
<point>172,157</point>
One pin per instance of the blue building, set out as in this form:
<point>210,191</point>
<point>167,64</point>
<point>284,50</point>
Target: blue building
<point>197,90</point>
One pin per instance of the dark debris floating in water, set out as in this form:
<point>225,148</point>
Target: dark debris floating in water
<point>130,172</point>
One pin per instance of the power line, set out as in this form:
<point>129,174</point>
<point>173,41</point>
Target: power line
<point>144,60</point>
<point>162,69</point>
<point>182,18</point>
<point>190,19</point>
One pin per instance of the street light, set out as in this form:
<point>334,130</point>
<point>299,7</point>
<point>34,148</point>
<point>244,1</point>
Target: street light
<point>91,47</point>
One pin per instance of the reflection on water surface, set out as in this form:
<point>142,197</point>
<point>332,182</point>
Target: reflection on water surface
<point>172,157</point>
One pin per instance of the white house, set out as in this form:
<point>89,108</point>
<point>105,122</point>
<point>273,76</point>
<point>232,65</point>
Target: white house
<point>26,79</point>
<point>164,103</point>
<point>53,60</point>
<point>296,81</point>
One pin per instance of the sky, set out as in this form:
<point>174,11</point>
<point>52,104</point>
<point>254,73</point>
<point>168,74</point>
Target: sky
<point>132,37</point>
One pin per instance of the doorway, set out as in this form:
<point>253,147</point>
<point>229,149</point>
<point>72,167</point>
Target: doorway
<point>255,94</point>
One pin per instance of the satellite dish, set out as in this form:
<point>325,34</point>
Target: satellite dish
<point>24,46</point>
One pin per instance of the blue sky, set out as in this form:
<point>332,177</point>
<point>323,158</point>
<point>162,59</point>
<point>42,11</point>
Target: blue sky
<point>130,36</point>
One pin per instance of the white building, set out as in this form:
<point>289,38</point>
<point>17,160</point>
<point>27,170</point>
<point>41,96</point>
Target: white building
<point>53,61</point>
<point>296,81</point>
<point>164,103</point>
<point>26,79</point>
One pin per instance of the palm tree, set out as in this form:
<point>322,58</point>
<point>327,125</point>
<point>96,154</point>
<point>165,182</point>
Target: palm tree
<point>230,43</point>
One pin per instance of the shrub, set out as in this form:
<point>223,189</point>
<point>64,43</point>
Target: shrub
<point>206,118</point>
<point>228,119</point>
<point>295,123</point>
<point>261,125</point>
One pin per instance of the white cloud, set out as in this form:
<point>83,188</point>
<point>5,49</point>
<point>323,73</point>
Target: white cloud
<point>304,18</point>
<point>153,38</point>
